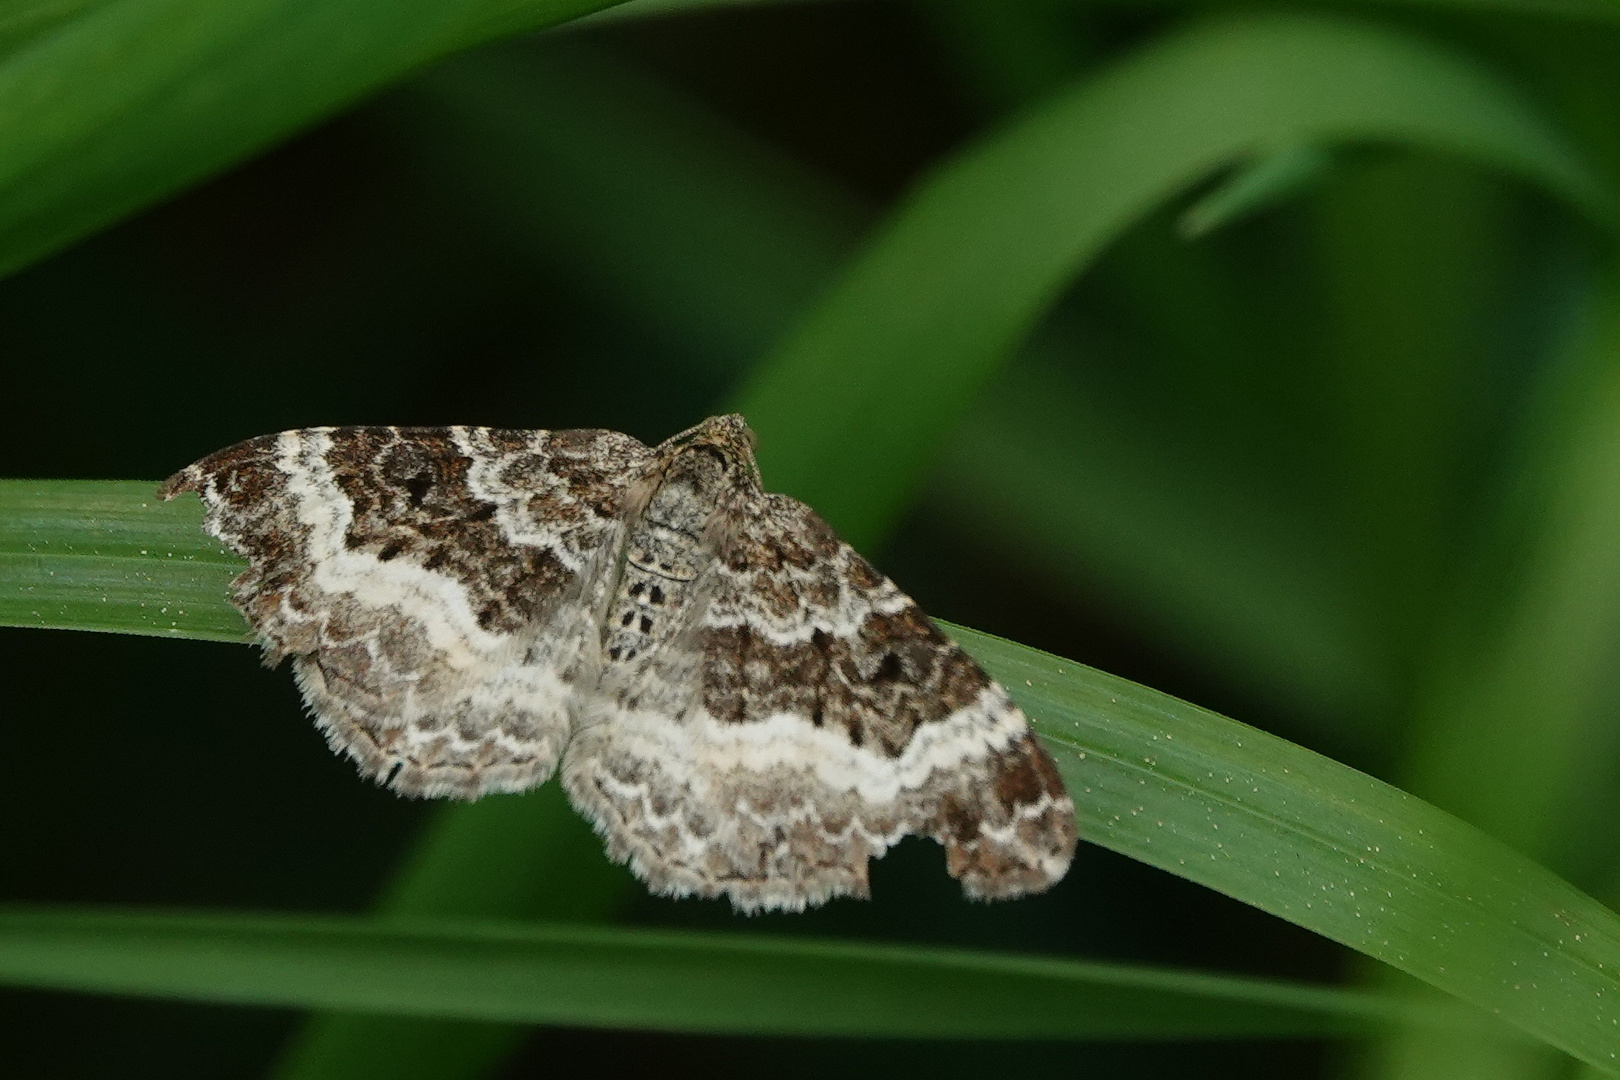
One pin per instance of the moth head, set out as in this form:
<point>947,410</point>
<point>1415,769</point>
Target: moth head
<point>715,455</point>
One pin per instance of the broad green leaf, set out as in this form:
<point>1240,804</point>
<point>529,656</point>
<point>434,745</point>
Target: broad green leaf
<point>662,981</point>
<point>125,101</point>
<point>947,290</point>
<point>1220,803</point>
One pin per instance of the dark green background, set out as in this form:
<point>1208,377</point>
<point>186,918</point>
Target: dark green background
<point>606,227</point>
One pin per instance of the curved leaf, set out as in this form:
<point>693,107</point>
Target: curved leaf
<point>962,273</point>
<point>125,101</point>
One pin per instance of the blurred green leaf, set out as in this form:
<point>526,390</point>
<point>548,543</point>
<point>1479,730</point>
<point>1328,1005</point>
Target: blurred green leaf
<point>532,858</point>
<point>651,202</point>
<point>1415,256</point>
<point>22,20</point>
<point>1523,676</point>
<point>607,171</point>
<point>1523,673</point>
<point>106,106</point>
<point>1011,52</point>
<point>122,102</point>
<point>1279,827</point>
<point>1588,10</point>
<point>662,981</point>
<point>1254,186</point>
<point>1054,472</point>
<point>948,289</point>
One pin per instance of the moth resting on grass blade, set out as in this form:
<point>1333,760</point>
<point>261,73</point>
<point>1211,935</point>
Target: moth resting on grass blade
<point>740,704</point>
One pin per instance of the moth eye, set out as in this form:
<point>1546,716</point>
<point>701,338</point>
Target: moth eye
<point>889,670</point>
<point>418,486</point>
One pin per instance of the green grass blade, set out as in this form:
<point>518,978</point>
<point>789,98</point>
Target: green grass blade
<point>685,981</point>
<point>1324,846</point>
<point>528,858</point>
<point>109,555</point>
<point>124,102</point>
<point>958,278</point>
<point>1214,801</point>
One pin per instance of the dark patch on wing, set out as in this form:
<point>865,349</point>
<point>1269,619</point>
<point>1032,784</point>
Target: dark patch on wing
<point>895,673</point>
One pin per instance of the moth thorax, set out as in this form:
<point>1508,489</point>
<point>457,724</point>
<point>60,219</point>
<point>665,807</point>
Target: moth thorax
<point>667,540</point>
<point>680,507</point>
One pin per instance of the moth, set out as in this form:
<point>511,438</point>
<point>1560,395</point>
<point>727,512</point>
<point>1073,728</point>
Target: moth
<point>738,702</point>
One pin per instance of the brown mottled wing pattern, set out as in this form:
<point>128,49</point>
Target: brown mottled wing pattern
<point>742,706</point>
<point>814,717</point>
<point>434,587</point>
